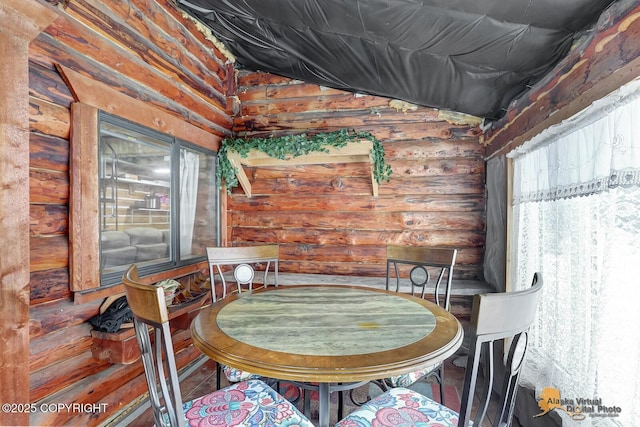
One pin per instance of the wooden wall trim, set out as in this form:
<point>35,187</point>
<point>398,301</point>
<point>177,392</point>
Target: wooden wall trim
<point>607,60</point>
<point>84,209</point>
<point>99,95</point>
<point>21,21</point>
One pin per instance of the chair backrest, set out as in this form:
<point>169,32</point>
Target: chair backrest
<point>423,259</point>
<point>150,315</point>
<point>498,316</point>
<point>245,259</point>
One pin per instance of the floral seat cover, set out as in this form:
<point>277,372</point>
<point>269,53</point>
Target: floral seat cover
<point>248,404</point>
<point>401,407</point>
<point>235,375</point>
<point>405,380</point>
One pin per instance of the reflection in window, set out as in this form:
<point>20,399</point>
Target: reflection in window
<point>158,200</point>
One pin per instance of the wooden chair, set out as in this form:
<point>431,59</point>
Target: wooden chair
<point>424,260</point>
<point>242,260</point>
<point>495,317</point>
<point>245,403</point>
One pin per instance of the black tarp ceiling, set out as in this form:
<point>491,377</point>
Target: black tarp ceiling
<point>469,56</point>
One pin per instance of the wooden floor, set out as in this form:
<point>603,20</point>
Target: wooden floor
<point>203,381</point>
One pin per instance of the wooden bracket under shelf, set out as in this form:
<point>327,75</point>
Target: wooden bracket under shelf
<point>351,153</point>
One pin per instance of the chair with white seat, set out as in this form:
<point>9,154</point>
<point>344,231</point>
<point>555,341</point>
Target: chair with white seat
<point>495,317</point>
<point>248,403</point>
<point>242,262</point>
<point>424,262</point>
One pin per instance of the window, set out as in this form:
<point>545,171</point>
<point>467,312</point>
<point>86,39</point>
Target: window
<point>576,219</point>
<point>158,199</point>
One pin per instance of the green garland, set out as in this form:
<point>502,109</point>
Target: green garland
<point>297,145</point>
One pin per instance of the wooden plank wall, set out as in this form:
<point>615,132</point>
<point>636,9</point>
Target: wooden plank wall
<point>147,50</point>
<point>325,216</point>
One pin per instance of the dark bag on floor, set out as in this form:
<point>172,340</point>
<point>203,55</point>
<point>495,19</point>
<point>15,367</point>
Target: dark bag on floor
<point>113,317</point>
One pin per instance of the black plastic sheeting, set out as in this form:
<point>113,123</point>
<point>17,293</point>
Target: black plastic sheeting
<point>469,56</point>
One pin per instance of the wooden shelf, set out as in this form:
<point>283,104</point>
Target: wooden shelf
<point>351,153</point>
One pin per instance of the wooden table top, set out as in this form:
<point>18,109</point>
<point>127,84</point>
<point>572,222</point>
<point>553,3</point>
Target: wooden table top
<point>326,333</point>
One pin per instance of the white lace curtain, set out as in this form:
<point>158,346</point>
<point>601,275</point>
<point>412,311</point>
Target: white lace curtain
<point>577,220</point>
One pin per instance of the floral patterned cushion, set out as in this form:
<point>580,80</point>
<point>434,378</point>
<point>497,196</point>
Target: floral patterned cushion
<point>401,407</point>
<point>405,380</point>
<point>247,404</point>
<point>235,375</point>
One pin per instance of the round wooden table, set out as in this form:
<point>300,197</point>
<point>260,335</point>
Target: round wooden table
<point>326,334</point>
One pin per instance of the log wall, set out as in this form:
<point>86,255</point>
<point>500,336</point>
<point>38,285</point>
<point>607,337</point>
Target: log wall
<point>142,48</point>
<point>325,217</point>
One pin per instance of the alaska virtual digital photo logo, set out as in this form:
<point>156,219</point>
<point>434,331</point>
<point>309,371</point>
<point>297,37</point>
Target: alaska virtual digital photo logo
<point>578,408</point>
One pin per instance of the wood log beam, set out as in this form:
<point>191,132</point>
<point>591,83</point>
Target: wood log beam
<point>21,21</point>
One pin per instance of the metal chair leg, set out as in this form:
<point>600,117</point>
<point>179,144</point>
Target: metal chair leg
<point>306,408</point>
<point>441,381</point>
<point>218,372</point>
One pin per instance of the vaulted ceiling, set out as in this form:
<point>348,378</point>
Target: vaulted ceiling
<point>469,56</point>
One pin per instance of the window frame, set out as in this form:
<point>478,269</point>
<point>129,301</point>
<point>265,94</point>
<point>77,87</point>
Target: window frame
<point>91,95</point>
<point>175,146</point>
<point>84,212</point>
